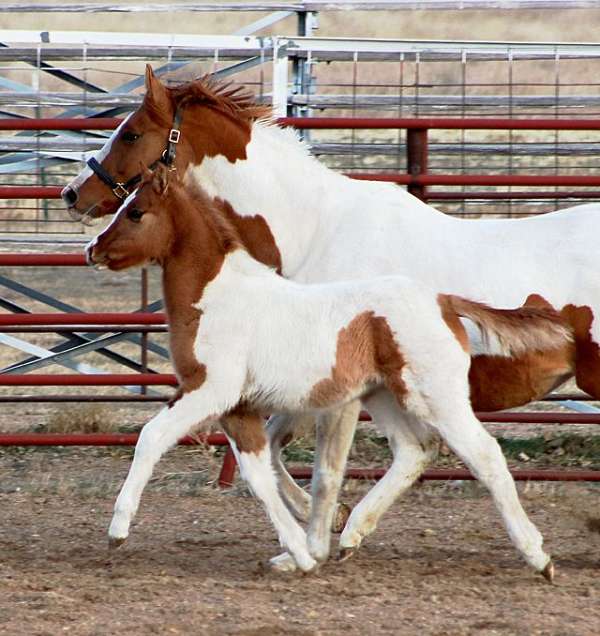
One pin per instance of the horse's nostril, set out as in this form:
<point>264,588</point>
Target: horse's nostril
<point>69,196</point>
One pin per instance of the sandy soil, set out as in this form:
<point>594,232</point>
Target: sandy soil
<point>439,564</point>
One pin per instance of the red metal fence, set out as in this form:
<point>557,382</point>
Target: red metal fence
<point>417,179</point>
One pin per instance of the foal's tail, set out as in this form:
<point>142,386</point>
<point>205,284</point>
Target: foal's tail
<point>513,331</point>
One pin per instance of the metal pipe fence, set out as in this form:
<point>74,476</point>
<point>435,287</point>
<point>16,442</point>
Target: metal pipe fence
<point>416,172</point>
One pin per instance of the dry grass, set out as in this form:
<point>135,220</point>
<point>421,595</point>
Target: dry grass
<point>80,418</point>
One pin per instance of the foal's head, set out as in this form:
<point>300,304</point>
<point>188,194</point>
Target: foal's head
<point>213,119</point>
<point>163,220</point>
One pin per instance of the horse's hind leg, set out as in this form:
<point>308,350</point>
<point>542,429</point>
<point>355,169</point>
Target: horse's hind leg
<point>413,445</point>
<point>281,429</point>
<point>466,436</point>
<point>335,432</point>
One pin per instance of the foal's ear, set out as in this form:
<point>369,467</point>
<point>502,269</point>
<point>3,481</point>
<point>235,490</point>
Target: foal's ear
<point>160,179</point>
<point>156,92</point>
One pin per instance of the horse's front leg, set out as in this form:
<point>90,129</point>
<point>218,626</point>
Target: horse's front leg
<point>158,435</point>
<point>248,440</point>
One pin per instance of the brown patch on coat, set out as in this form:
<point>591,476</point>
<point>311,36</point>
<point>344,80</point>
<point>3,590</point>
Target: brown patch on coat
<point>246,428</point>
<point>587,372</point>
<point>366,353</point>
<point>587,352</point>
<point>255,235</point>
<point>499,382</point>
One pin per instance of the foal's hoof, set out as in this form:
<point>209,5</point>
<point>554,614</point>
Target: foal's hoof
<point>346,553</point>
<point>116,542</point>
<point>283,563</point>
<point>342,513</point>
<point>548,572</point>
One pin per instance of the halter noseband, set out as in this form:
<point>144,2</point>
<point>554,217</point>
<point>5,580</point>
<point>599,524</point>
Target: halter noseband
<point>123,190</point>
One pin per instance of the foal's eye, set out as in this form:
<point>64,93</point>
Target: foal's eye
<point>135,215</point>
<point>129,137</point>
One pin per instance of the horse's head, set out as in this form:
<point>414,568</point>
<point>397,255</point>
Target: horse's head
<point>163,220</point>
<point>143,231</point>
<point>178,126</point>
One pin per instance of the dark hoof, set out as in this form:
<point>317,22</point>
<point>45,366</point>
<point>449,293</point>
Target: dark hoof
<point>342,513</point>
<point>115,542</point>
<point>548,572</point>
<point>346,553</point>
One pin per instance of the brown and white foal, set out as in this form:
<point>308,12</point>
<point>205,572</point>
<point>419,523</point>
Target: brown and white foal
<point>246,342</point>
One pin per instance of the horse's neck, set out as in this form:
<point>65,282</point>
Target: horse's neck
<point>280,182</point>
<point>186,279</point>
<point>305,204</point>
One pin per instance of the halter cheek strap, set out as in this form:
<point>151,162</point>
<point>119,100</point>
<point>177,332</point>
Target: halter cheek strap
<point>123,190</point>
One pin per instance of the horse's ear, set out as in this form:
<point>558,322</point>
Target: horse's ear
<point>160,179</point>
<point>145,172</point>
<point>156,91</point>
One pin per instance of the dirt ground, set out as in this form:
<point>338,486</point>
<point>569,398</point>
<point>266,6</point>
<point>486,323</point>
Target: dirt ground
<point>440,563</point>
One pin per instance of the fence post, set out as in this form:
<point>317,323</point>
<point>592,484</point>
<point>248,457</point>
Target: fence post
<point>416,159</point>
<point>227,474</point>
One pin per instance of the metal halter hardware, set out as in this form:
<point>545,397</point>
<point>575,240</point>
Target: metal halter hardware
<point>123,190</point>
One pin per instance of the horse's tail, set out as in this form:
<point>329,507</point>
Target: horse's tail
<point>510,331</point>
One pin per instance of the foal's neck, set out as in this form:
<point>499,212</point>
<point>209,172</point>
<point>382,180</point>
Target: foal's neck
<point>194,260</point>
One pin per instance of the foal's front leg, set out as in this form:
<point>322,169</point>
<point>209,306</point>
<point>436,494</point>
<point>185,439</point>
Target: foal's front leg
<point>158,435</point>
<point>246,434</point>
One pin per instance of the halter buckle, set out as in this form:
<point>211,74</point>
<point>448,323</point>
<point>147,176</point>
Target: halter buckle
<point>120,191</point>
<point>174,136</point>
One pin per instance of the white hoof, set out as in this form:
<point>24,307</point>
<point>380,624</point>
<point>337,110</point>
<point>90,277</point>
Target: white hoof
<point>283,563</point>
<point>118,530</point>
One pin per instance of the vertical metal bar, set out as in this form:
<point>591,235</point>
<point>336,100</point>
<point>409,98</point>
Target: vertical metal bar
<point>417,79</point>
<point>556,115</point>
<point>36,79</point>
<point>463,75</point>
<point>144,337</point>
<point>400,110</point>
<point>280,78</point>
<point>416,159</point>
<point>227,474</point>
<point>354,82</point>
<point>510,132</point>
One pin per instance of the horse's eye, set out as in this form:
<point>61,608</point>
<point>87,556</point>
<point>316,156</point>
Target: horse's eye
<point>129,137</point>
<point>135,215</point>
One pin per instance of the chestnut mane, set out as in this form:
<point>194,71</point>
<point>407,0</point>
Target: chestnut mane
<point>235,101</point>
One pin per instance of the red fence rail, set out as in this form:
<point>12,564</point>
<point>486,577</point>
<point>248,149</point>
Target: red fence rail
<point>416,178</point>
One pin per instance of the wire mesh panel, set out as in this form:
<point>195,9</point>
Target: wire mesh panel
<point>100,75</point>
<point>100,78</point>
<point>462,79</point>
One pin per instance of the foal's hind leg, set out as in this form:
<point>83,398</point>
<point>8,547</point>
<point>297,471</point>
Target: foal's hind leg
<point>249,443</point>
<point>466,436</point>
<point>413,444</point>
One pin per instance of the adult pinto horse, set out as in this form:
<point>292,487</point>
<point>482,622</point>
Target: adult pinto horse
<point>314,225</point>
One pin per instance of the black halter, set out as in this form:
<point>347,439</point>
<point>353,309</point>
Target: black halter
<point>123,190</point>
